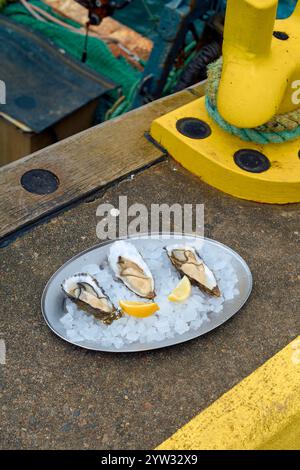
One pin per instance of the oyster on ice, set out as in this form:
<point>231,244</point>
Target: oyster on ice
<point>188,262</point>
<point>129,266</point>
<point>84,290</point>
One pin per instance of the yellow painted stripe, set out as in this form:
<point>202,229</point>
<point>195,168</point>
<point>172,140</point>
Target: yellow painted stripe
<point>261,412</point>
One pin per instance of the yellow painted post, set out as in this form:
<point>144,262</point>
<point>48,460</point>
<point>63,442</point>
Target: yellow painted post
<point>243,18</point>
<point>260,79</point>
<point>251,88</point>
<point>258,68</point>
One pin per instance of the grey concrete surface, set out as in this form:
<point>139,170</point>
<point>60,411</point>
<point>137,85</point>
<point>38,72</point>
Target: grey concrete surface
<point>55,396</point>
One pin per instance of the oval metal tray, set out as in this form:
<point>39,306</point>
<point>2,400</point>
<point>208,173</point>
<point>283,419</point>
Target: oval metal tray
<point>52,302</point>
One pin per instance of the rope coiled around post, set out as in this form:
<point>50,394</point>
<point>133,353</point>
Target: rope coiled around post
<point>282,127</point>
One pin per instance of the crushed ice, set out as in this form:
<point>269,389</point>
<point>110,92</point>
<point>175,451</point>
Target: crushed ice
<point>171,320</point>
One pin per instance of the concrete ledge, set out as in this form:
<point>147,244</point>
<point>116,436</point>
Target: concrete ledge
<point>261,412</point>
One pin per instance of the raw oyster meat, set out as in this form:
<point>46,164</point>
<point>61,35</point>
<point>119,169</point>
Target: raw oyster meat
<point>188,263</point>
<point>129,266</point>
<point>84,290</point>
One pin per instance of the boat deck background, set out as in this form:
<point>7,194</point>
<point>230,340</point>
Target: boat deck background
<point>44,86</point>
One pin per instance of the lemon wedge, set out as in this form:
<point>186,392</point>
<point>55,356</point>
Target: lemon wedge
<point>182,291</point>
<point>139,309</point>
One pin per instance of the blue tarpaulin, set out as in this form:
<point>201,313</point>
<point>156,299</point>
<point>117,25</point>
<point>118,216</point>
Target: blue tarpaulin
<point>43,85</point>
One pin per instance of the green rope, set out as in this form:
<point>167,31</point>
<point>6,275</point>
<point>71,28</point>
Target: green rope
<point>125,105</point>
<point>153,19</point>
<point>175,73</point>
<point>151,16</point>
<point>281,128</point>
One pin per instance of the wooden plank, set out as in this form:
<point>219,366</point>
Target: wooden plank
<point>199,88</point>
<point>83,164</point>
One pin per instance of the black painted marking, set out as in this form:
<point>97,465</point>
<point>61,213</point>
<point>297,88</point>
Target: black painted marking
<point>252,161</point>
<point>40,181</point>
<point>281,35</point>
<point>193,128</point>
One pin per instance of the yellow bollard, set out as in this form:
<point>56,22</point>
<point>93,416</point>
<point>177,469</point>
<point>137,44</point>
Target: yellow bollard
<point>260,78</point>
<point>258,69</point>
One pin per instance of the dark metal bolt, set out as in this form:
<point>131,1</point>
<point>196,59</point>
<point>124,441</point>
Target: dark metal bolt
<point>252,161</point>
<point>193,128</point>
<point>40,181</point>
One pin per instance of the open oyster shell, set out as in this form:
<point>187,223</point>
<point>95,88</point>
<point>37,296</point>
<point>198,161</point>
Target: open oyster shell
<point>188,263</point>
<point>84,290</point>
<point>129,266</point>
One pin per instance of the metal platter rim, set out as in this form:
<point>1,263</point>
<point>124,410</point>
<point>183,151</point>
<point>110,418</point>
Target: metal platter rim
<point>179,339</point>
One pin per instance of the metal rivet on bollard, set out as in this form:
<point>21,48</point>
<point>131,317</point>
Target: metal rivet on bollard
<point>280,35</point>
<point>252,161</point>
<point>193,128</point>
<point>40,181</point>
